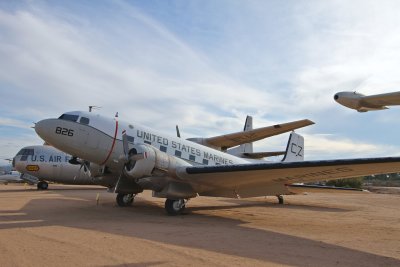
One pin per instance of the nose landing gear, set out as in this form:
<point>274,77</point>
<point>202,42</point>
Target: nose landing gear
<point>42,185</point>
<point>175,206</point>
<point>125,200</point>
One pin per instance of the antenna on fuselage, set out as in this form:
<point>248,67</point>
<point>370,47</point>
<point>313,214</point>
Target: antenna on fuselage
<point>178,134</point>
<point>93,107</point>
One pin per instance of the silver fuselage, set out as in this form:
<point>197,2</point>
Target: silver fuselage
<point>100,141</point>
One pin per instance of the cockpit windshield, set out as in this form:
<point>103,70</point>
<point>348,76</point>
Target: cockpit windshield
<point>69,117</point>
<point>26,152</point>
<point>84,120</point>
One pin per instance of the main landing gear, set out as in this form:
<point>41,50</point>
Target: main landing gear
<point>280,199</point>
<point>125,200</point>
<point>175,206</point>
<point>42,185</point>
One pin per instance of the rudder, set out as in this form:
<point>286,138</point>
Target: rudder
<point>294,149</point>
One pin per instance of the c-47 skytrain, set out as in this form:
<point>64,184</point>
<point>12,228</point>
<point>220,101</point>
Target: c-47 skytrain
<point>140,158</point>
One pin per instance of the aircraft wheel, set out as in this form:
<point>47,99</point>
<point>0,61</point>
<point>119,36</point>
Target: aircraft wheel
<point>42,185</point>
<point>125,200</point>
<point>280,199</point>
<point>174,206</point>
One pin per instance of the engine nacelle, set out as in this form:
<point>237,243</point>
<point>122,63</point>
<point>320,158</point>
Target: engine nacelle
<point>349,99</point>
<point>146,160</point>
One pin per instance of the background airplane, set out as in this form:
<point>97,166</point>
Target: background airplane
<point>49,164</point>
<point>10,177</point>
<point>363,103</point>
<point>178,169</point>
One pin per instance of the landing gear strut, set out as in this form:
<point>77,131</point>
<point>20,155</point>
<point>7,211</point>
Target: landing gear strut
<point>175,206</point>
<point>280,199</point>
<point>42,185</point>
<point>125,200</point>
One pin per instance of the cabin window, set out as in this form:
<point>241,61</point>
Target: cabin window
<point>84,120</point>
<point>178,153</point>
<point>205,161</point>
<point>192,158</point>
<point>147,142</point>
<point>69,117</point>
<point>163,148</point>
<point>130,139</point>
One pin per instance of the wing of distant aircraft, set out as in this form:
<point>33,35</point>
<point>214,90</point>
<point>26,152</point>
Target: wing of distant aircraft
<point>238,138</point>
<point>11,177</point>
<point>363,103</point>
<point>389,99</point>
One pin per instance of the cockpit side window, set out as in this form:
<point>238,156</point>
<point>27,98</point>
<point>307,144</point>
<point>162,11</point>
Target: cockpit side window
<point>84,120</point>
<point>69,117</point>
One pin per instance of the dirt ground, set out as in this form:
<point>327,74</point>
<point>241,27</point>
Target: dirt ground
<point>64,226</point>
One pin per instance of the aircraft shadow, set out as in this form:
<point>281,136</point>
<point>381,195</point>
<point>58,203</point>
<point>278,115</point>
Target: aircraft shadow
<point>227,236</point>
<point>247,204</point>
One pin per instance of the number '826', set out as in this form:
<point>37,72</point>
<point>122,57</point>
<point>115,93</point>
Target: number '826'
<point>64,131</point>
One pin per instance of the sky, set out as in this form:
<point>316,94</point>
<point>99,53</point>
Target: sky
<point>204,65</point>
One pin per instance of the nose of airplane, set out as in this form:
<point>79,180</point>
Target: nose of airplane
<point>41,128</point>
<point>336,97</point>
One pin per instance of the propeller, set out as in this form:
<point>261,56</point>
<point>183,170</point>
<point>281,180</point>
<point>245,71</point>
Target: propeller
<point>178,134</point>
<point>84,164</point>
<point>130,157</point>
<point>124,158</point>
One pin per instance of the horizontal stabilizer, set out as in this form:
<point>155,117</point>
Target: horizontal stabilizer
<point>259,155</point>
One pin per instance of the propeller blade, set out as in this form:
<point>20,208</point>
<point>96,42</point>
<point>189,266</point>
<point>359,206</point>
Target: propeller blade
<point>125,143</point>
<point>86,168</point>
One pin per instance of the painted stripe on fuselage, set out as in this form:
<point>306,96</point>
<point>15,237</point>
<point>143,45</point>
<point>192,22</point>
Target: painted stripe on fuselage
<point>113,143</point>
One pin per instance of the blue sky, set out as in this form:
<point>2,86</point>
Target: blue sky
<point>204,65</point>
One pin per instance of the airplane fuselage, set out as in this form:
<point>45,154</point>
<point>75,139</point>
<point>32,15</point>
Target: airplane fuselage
<point>49,164</point>
<point>100,141</point>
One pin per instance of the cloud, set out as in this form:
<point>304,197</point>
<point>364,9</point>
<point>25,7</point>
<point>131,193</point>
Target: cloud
<point>7,122</point>
<point>321,146</point>
<point>205,67</point>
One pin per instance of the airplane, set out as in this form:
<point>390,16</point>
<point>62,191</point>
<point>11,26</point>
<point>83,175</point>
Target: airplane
<point>363,103</point>
<point>10,177</point>
<point>178,169</point>
<point>48,164</point>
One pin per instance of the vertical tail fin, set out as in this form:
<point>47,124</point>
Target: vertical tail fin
<point>248,125</point>
<point>294,149</point>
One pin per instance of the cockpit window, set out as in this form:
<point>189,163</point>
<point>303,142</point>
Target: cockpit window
<point>84,120</point>
<point>69,117</point>
<point>26,152</point>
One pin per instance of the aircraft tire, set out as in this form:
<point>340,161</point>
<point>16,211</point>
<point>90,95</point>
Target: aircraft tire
<point>174,206</point>
<point>42,185</point>
<point>124,200</point>
<point>280,199</point>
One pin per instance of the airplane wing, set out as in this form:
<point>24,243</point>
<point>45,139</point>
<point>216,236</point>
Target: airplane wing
<point>235,139</point>
<point>388,99</point>
<point>261,179</point>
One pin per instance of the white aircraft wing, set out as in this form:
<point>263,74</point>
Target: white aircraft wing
<point>388,99</point>
<point>261,179</point>
<point>235,139</point>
